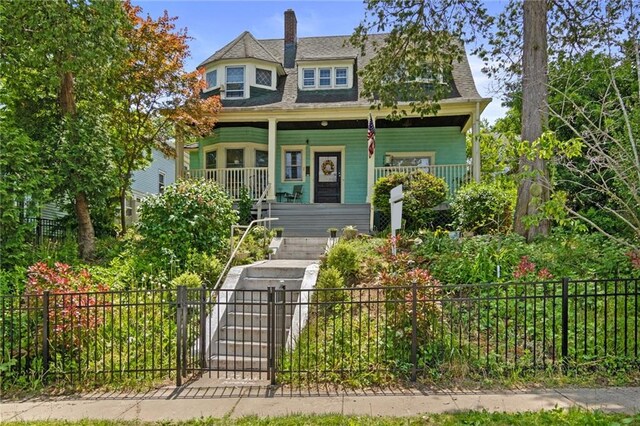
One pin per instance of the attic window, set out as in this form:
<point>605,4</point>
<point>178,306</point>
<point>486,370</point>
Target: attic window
<point>212,79</point>
<point>309,77</point>
<point>235,82</point>
<point>325,78</point>
<point>263,77</point>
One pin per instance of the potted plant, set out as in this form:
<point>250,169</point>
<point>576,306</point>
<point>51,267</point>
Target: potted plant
<point>333,232</point>
<point>279,232</point>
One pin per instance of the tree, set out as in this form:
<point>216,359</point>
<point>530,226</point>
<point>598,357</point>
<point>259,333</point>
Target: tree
<point>154,95</point>
<point>564,28</point>
<point>533,189</point>
<point>399,71</point>
<point>59,55</point>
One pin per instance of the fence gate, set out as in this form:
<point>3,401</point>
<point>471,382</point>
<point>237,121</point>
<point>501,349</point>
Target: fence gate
<point>230,333</point>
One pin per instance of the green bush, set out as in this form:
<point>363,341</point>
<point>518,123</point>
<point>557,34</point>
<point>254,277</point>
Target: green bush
<point>188,279</point>
<point>330,278</point>
<point>245,203</point>
<point>190,215</point>
<point>484,208</point>
<point>344,258</point>
<point>422,192</point>
<point>205,265</point>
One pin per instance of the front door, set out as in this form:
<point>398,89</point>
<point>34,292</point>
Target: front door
<point>327,177</point>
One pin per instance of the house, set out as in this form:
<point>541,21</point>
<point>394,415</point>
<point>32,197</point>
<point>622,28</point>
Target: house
<point>294,127</point>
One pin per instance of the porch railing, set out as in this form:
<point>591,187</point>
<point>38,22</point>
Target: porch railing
<point>456,175</point>
<point>233,179</point>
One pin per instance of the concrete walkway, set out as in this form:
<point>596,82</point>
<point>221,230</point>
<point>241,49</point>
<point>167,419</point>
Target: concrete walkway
<point>199,400</point>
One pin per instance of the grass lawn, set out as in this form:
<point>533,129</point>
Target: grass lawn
<point>553,417</point>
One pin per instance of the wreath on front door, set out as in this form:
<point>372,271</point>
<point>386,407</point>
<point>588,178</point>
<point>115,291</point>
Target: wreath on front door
<point>328,167</point>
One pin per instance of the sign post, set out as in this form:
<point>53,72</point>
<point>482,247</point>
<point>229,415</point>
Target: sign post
<point>395,199</point>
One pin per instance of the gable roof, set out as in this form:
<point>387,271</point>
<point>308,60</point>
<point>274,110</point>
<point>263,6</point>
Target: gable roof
<point>288,96</point>
<point>242,47</point>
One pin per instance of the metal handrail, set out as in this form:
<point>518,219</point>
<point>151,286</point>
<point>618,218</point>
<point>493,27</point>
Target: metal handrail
<point>263,196</point>
<point>235,250</point>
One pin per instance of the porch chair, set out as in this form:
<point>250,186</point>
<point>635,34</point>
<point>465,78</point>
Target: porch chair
<point>296,195</point>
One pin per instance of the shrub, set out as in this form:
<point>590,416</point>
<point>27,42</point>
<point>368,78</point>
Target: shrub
<point>205,265</point>
<point>188,279</point>
<point>344,258</point>
<point>330,278</point>
<point>422,192</point>
<point>245,203</point>
<point>190,215</point>
<point>71,312</point>
<point>484,208</point>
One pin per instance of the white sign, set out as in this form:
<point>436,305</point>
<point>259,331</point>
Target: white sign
<point>395,199</point>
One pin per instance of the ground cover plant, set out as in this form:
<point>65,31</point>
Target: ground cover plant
<point>487,310</point>
<point>568,417</point>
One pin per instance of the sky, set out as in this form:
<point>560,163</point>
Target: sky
<point>212,24</point>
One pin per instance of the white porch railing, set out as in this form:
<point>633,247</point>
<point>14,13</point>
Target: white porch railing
<point>232,180</point>
<point>456,175</point>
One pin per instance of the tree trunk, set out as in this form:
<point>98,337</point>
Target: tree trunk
<point>86,234</point>
<point>123,206</point>
<point>534,186</point>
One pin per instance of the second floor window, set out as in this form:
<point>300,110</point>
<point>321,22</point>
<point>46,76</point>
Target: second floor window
<point>211,160</point>
<point>263,77</point>
<point>160,182</point>
<point>212,79</point>
<point>309,77</point>
<point>235,82</point>
<point>325,77</point>
<point>341,77</point>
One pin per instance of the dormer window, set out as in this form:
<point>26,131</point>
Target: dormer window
<point>263,77</point>
<point>235,82</point>
<point>309,77</point>
<point>341,77</point>
<point>324,77</point>
<point>212,79</point>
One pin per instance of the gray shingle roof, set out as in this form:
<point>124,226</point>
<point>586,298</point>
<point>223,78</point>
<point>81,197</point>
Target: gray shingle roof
<point>288,96</point>
<point>244,46</point>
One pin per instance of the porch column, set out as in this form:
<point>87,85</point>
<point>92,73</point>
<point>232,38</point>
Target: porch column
<point>273,127</point>
<point>475,147</point>
<point>179,172</point>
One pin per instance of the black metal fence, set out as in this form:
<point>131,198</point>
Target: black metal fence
<point>47,229</point>
<point>362,335</point>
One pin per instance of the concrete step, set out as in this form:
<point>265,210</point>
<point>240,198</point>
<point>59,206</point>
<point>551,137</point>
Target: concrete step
<point>255,349</point>
<point>259,298</point>
<point>247,319</point>
<point>248,332</point>
<point>259,283</point>
<point>237,363</point>
<point>279,269</point>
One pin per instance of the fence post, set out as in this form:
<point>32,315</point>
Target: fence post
<point>271,334</point>
<point>45,332</point>
<point>203,326</point>
<point>283,333</point>
<point>179,334</point>
<point>565,323</point>
<point>414,331</point>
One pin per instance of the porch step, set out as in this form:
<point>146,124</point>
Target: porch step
<point>312,220</point>
<point>253,283</point>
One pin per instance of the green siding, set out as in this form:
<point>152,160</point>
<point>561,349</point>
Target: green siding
<point>355,150</point>
<point>448,143</point>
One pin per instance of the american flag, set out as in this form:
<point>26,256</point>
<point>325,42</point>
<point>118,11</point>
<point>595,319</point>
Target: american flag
<point>371,137</point>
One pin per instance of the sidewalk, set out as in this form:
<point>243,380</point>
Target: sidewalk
<point>202,399</point>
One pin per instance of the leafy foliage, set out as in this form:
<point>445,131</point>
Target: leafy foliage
<point>484,208</point>
<point>190,215</point>
<point>422,191</point>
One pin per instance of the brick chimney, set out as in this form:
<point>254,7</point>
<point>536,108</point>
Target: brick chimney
<point>290,38</point>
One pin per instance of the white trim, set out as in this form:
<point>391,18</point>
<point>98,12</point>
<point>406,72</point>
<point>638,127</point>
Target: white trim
<point>400,154</point>
<point>316,67</point>
<point>283,150</point>
<point>221,159</point>
<point>312,175</point>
